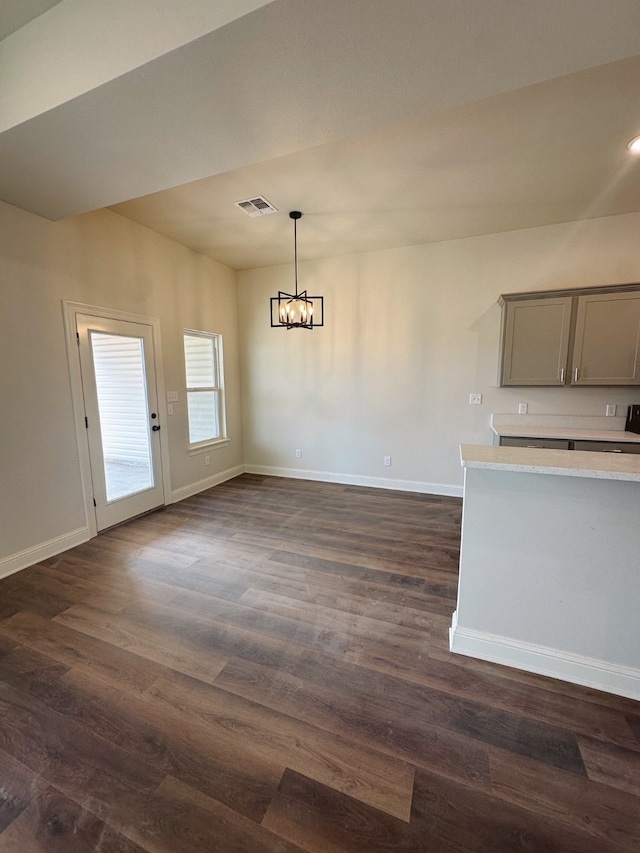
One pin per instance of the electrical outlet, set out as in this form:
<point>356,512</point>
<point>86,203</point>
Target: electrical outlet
<point>523,408</point>
<point>207,460</point>
<point>475,399</point>
<point>387,460</point>
<point>172,396</point>
<point>610,410</point>
<point>298,454</point>
<point>169,408</point>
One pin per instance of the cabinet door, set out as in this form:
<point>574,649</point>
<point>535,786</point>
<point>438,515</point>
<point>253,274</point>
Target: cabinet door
<point>547,443</point>
<point>606,342</point>
<point>608,446</point>
<point>536,341</point>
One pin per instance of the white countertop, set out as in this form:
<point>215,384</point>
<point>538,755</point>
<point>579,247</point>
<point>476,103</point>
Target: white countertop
<point>566,463</point>
<point>571,433</point>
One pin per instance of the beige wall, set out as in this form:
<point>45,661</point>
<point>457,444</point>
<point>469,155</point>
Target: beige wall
<point>409,334</point>
<point>99,259</point>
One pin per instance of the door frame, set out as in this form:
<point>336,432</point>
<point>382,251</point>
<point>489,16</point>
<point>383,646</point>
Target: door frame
<point>70,310</point>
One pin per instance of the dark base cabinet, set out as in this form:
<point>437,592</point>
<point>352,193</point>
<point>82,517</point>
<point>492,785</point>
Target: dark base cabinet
<point>565,444</point>
<point>607,446</point>
<point>549,443</point>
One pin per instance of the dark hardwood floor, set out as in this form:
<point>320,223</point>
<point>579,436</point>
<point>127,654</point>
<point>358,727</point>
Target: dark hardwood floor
<point>265,667</point>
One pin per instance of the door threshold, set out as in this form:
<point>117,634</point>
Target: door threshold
<point>160,508</point>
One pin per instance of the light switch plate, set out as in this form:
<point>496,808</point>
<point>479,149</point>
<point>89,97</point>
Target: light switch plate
<point>172,396</point>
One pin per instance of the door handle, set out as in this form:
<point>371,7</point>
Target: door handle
<point>156,428</point>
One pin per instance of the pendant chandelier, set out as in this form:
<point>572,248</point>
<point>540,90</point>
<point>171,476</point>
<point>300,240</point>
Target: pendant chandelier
<point>296,310</point>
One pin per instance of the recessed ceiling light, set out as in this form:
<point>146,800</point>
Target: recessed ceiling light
<point>634,145</point>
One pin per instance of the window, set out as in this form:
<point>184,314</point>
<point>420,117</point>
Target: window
<point>205,388</point>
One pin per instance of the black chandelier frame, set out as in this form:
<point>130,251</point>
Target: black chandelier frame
<point>313,315</point>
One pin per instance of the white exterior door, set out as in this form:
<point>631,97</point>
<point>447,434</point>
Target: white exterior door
<point>117,366</point>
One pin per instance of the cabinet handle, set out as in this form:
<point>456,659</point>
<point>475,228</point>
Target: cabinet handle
<point>612,451</point>
<point>575,374</point>
<point>562,375</point>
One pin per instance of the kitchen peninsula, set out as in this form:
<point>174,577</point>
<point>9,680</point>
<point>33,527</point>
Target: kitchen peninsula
<point>550,564</point>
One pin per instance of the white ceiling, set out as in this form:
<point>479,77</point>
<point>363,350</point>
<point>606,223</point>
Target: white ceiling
<point>387,122</point>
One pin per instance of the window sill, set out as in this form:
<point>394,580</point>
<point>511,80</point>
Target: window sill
<point>195,449</point>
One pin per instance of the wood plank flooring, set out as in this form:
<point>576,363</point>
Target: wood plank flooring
<point>264,667</point>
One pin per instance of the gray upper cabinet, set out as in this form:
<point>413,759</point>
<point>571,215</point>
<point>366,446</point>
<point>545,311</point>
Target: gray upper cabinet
<point>536,341</point>
<point>605,351</point>
<point>579,337</point>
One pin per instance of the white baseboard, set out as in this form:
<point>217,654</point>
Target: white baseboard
<point>30,556</point>
<point>358,480</point>
<point>207,483</point>
<point>16,562</point>
<point>577,669</point>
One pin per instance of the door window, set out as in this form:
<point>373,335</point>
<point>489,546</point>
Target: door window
<point>118,363</point>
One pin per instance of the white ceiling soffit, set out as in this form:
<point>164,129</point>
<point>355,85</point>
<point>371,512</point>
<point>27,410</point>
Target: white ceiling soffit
<point>83,44</point>
<point>14,14</point>
<point>331,69</point>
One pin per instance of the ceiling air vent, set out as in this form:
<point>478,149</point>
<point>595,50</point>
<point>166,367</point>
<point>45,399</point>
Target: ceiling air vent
<point>257,206</point>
